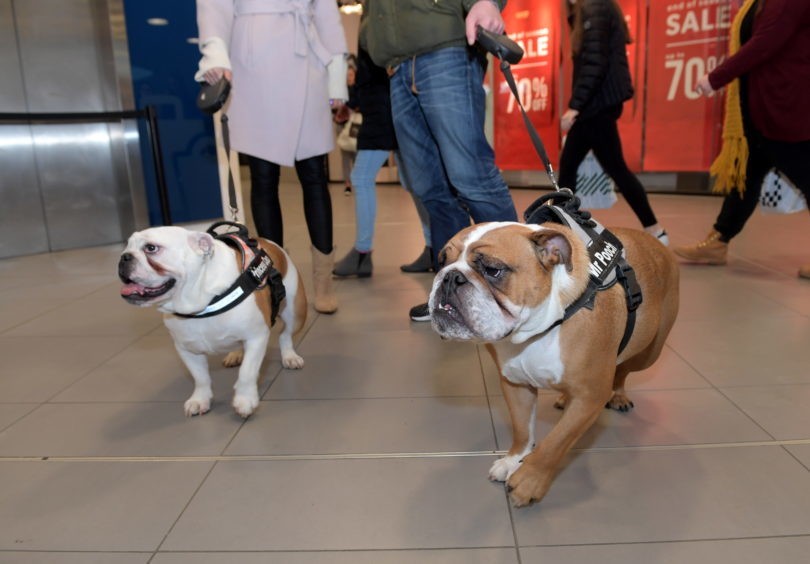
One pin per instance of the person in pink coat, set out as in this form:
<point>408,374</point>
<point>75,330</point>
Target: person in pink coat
<point>287,63</point>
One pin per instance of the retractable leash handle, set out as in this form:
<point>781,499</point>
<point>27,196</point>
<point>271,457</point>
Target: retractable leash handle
<point>507,51</point>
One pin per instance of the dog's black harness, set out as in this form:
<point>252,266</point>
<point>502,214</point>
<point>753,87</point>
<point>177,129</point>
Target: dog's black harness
<point>257,272</point>
<point>607,257</point>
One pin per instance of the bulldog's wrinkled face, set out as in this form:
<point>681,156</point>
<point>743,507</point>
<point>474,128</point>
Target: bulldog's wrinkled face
<point>506,279</point>
<point>157,260</point>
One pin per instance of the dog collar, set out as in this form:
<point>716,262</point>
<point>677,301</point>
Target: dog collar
<point>608,264</point>
<point>257,272</point>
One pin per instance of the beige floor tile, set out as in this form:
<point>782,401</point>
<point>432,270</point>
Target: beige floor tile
<point>367,426</point>
<point>346,505</point>
<point>739,354</point>
<point>780,410</point>
<point>448,556</point>
<point>671,495</point>
<point>786,550</point>
<point>34,370</point>
<point>99,506</point>
<point>412,362</point>
<point>119,429</point>
<point>74,558</point>
<point>11,412</point>
<point>802,453</point>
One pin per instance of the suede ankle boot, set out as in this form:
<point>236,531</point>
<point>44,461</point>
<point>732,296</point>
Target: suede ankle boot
<point>325,299</point>
<point>424,263</point>
<point>709,251</point>
<point>354,263</point>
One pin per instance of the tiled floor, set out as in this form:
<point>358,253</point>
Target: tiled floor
<point>378,450</point>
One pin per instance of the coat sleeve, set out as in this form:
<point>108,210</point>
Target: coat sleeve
<point>594,54</point>
<point>330,30</point>
<point>779,21</point>
<point>214,23</point>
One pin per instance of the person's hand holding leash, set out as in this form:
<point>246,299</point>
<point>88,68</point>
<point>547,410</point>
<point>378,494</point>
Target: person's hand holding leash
<point>212,76</point>
<point>568,119</point>
<point>486,14</point>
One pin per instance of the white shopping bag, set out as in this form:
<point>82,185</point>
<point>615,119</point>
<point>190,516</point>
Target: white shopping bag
<point>779,195</point>
<point>594,187</point>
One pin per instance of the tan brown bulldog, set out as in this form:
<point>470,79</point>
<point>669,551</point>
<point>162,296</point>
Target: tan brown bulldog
<point>508,285</point>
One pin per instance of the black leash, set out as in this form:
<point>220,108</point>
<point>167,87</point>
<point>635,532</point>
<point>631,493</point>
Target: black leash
<point>507,51</point>
<point>226,141</point>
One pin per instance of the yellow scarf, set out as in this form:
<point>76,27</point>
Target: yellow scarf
<point>729,166</point>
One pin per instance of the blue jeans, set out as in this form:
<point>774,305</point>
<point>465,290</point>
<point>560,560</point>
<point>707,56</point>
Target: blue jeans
<point>364,180</point>
<point>367,164</point>
<point>438,105</point>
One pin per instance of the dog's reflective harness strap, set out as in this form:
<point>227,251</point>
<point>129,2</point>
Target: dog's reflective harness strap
<point>256,274</point>
<point>605,251</point>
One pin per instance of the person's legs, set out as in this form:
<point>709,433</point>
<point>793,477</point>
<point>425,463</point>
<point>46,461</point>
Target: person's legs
<point>364,181</point>
<point>576,147</point>
<point>318,215</point>
<point>264,202</point>
<point>737,208</point>
<point>607,148</point>
<point>735,211</point>
<point>424,262</point>
<point>452,99</point>
<point>317,203</point>
<point>421,161</point>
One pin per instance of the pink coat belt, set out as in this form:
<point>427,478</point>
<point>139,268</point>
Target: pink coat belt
<point>306,36</point>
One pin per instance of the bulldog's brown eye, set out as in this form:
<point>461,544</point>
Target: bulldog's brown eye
<point>150,248</point>
<point>493,272</point>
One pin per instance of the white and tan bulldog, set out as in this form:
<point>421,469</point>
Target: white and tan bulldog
<point>180,272</point>
<point>506,284</point>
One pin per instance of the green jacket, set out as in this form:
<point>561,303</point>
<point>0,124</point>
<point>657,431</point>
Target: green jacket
<point>395,30</point>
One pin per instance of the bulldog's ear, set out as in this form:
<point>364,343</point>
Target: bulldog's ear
<point>201,243</point>
<point>552,248</point>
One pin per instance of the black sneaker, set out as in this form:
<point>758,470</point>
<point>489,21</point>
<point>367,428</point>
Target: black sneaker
<point>420,313</point>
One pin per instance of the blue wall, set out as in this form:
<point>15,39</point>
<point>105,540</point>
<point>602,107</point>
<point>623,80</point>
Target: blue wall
<point>163,66</point>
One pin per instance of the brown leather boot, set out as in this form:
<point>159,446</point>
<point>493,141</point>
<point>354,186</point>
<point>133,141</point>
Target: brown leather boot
<point>804,271</point>
<point>709,251</point>
<point>322,265</point>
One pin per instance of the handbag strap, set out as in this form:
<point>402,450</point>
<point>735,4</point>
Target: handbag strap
<point>226,141</point>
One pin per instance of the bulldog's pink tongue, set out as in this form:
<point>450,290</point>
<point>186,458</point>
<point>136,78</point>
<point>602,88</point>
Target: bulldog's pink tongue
<point>132,288</point>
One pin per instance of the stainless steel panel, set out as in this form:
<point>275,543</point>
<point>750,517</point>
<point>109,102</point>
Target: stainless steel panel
<point>78,185</point>
<point>22,223</point>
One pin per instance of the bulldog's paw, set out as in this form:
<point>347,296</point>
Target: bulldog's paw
<point>245,404</point>
<point>197,405</point>
<point>504,467</point>
<point>620,402</point>
<point>527,486</point>
<point>233,359</point>
<point>291,360</point>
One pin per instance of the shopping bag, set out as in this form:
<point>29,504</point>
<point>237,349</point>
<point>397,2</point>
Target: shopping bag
<point>779,195</point>
<point>594,187</point>
<point>347,138</point>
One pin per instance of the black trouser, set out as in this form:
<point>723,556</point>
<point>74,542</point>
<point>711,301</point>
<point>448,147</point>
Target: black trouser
<point>792,159</point>
<point>601,135</point>
<point>266,207</point>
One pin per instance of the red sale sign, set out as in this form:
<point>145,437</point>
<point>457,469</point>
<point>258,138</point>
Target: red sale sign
<point>687,39</point>
<point>534,26</point>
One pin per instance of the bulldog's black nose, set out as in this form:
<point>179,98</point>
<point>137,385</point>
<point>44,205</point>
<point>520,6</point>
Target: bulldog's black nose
<point>123,267</point>
<point>453,280</point>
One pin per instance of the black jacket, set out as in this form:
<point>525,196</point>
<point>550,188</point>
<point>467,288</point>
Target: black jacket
<point>601,72</point>
<point>371,98</point>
